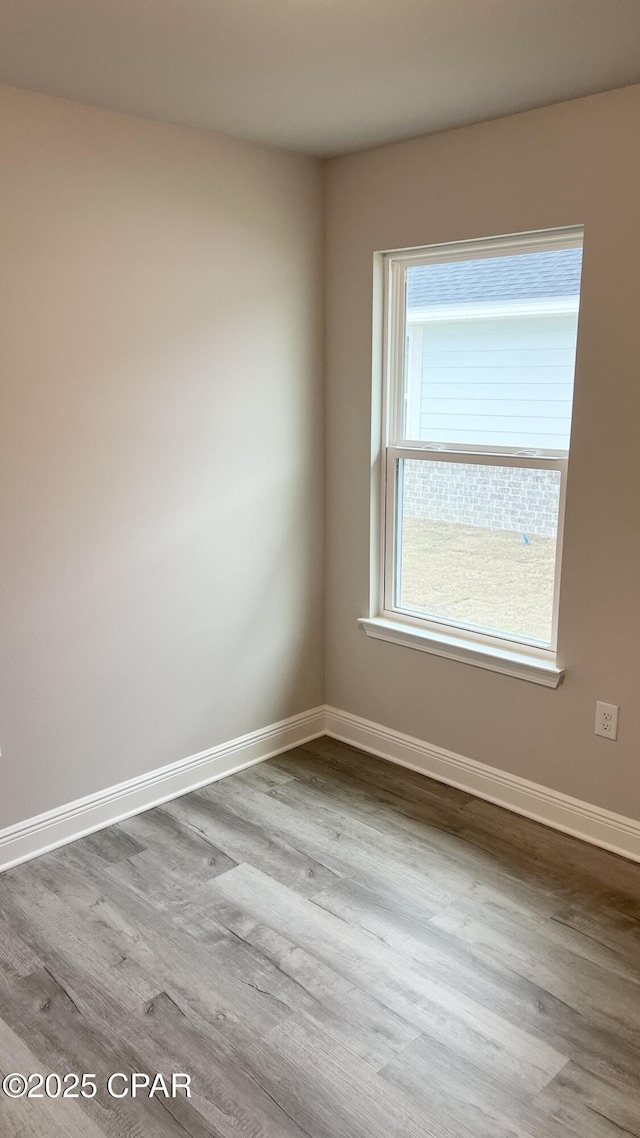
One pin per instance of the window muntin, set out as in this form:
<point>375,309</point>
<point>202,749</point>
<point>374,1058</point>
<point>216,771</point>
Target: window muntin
<point>480,363</point>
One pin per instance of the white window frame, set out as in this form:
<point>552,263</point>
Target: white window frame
<point>396,349</point>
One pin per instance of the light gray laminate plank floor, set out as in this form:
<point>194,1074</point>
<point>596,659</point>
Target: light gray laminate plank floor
<point>331,947</point>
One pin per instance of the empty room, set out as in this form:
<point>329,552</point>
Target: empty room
<point>320,569</point>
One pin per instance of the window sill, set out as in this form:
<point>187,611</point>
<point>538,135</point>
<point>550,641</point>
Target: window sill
<point>509,662</point>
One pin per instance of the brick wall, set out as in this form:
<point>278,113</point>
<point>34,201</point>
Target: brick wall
<point>496,497</point>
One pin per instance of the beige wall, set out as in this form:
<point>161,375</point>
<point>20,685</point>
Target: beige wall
<point>160,445</point>
<point>574,163</point>
<point>160,442</point>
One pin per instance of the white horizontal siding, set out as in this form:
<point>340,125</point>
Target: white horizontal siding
<point>495,389</point>
<point>499,358</point>
<point>530,371</point>
<point>545,332</point>
<point>495,409</point>
<point>505,381</point>
<point>529,440</point>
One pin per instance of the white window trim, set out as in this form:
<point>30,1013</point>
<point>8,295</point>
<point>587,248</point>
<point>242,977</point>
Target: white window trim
<point>507,661</point>
<point>490,310</point>
<point>506,655</point>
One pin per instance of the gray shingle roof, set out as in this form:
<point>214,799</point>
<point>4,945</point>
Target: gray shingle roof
<point>520,277</point>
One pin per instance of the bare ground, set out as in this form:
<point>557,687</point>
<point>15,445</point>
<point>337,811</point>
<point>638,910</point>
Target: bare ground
<point>489,578</point>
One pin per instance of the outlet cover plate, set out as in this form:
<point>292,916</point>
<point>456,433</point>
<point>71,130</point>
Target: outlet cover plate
<point>607,720</point>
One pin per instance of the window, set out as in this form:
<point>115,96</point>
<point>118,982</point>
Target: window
<point>478,370</point>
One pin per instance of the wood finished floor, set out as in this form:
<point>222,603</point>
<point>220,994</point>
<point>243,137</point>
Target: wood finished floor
<point>331,947</point>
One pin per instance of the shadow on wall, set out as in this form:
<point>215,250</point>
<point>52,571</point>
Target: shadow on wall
<point>160,441</point>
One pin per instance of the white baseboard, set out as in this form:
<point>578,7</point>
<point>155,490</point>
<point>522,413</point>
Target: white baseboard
<point>76,819</point>
<point>581,819</point>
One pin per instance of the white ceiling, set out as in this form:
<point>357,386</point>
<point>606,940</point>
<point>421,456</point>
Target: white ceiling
<point>322,76</point>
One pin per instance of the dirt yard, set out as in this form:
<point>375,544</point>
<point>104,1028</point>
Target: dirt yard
<point>490,578</point>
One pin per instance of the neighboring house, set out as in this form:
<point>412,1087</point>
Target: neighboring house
<point>490,360</point>
<point>491,350</point>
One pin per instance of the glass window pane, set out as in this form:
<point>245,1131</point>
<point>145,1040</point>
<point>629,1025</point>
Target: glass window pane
<point>490,350</point>
<point>477,545</point>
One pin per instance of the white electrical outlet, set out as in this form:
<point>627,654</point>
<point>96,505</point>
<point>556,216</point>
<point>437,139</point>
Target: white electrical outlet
<point>607,720</point>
